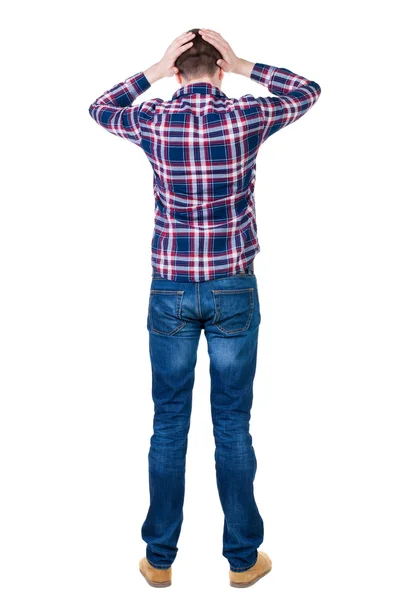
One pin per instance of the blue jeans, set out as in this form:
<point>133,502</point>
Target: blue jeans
<point>228,310</point>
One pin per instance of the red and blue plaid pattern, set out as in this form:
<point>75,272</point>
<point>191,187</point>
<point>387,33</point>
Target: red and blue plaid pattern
<point>202,146</point>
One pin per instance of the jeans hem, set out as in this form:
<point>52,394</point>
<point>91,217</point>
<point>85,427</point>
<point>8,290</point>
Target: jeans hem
<point>157,566</point>
<point>241,569</point>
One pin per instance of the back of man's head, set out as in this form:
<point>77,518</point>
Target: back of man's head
<point>199,60</point>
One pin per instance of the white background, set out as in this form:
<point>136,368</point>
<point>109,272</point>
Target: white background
<point>76,225</point>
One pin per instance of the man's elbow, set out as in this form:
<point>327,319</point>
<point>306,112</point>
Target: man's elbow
<point>317,88</point>
<point>314,92</point>
<point>92,111</point>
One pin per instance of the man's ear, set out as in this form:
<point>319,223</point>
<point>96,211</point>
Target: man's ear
<point>178,77</point>
<point>221,73</point>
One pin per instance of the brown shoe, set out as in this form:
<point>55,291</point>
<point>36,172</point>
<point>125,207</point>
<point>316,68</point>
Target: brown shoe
<point>155,577</point>
<point>252,575</point>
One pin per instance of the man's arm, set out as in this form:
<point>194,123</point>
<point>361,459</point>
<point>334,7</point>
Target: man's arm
<point>113,110</point>
<point>295,94</point>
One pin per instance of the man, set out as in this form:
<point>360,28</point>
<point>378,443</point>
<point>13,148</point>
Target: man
<point>202,146</point>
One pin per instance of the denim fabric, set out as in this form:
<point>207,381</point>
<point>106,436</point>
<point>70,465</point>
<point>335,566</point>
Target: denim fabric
<point>228,310</point>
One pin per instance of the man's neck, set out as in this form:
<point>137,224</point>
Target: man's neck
<point>203,80</point>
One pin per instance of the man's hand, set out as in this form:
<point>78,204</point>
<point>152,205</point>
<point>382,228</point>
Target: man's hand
<point>183,42</point>
<point>230,63</point>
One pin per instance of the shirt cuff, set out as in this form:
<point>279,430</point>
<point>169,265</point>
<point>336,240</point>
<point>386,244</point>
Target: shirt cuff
<point>138,83</point>
<point>262,73</point>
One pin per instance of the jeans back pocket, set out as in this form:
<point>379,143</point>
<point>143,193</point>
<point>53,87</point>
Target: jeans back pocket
<point>165,308</point>
<point>233,309</point>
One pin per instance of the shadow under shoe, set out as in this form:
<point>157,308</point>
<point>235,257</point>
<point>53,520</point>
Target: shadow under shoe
<point>155,577</point>
<point>251,576</point>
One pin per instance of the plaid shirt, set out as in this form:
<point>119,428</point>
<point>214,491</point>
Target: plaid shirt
<point>202,146</point>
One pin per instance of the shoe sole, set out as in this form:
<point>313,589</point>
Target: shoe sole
<point>157,584</point>
<point>249,583</point>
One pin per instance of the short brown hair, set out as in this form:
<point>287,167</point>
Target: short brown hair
<point>198,60</point>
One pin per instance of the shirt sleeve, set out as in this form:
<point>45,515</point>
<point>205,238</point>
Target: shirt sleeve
<point>113,110</point>
<point>295,95</point>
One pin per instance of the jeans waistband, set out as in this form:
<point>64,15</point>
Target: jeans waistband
<point>248,269</point>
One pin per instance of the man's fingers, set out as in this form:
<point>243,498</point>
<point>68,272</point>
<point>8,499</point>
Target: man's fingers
<point>215,42</point>
<point>181,49</point>
<point>181,39</point>
<point>210,31</point>
<point>213,34</point>
<point>187,34</point>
